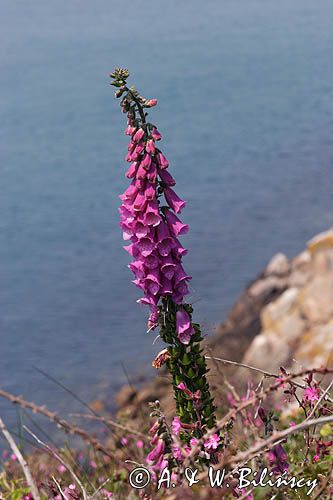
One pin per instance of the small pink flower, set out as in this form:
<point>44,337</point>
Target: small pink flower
<point>140,444</point>
<point>183,325</point>
<point>61,468</point>
<point>212,442</point>
<point>292,424</point>
<point>177,453</point>
<point>124,441</point>
<point>176,425</point>
<point>316,458</point>
<point>194,442</point>
<point>181,386</point>
<point>93,464</point>
<point>13,457</point>
<point>311,394</point>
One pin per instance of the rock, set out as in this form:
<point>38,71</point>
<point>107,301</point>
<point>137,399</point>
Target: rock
<point>263,288</point>
<point>278,265</point>
<point>125,395</point>
<point>316,346</point>
<point>321,241</point>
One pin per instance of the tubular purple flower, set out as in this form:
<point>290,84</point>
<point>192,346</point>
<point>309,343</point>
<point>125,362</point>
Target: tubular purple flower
<point>156,135</point>
<point>162,161</point>
<point>173,200</point>
<point>156,453</point>
<point>175,225</point>
<point>138,135</point>
<point>166,178</point>
<point>150,146</point>
<point>184,327</point>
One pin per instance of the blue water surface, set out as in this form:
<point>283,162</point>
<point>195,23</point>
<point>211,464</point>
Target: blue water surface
<point>245,91</point>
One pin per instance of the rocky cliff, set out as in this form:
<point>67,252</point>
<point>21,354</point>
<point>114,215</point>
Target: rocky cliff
<point>284,317</point>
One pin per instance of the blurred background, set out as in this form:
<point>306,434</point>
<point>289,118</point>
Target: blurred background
<point>245,106</point>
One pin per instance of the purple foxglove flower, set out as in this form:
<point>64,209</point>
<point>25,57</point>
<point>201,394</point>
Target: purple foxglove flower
<point>140,147</point>
<point>150,146</point>
<point>156,452</point>
<point>137,268</point>
<point>175,225</point>
<point>150,193</point>
<point>148,300</point>
<point>152,217</point>
<point>139,283</point>
<point>166,178</point>
<point>153,322</point>
<point>180,275</point>
<point>160,465</point>
<point>152,261</point>
<point>152,173</point>
<point>156,135</point>
<point>140,229</point>
<point>131,172</point>
<point>127,230</point>
<point>128,156</point>
<point>141,172</point>
<point>173,200</point>
<point>132,250</point>
<point>140,202</point>
<point>130,192</point>
<point>181,288</point>
<point>146,161</point>
<point>183,325</point>
<point>162,161</point>
<point>141,184</point>
<point>130,130</point>
<point>177,453</point>
<point>138,135</point>
<point>179,251</point>
<point>125,214</point>
<point>166,287</point>
<point>168,266</point>
<point>131,146</point>
<point>152,281</point>
<point>165,242</point>
<point>145,246</point>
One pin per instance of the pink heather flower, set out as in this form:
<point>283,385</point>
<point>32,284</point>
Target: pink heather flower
<point>316,458</point>
<point>183,326</point>
<point>311,394</point>
<point>194,442</point>
<point>160,464</point>
<point>278,459</point>
<point>156,135</point>
<point>181,386</point>
<point>13,457</point>
<point>292,424</point>
<point>175,225</point>
<point>140,444</point>
<point>173,200</point>
<point>138,135</point>
<point>212,442</point>
<point>162,161</point>
<point>177,453</point>
<point>124,441</point>
<point>150,146</point>
<point>176,425</point>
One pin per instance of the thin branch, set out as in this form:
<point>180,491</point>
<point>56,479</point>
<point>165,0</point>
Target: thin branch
<point>20,458</point>
<point>53,417</point>
<point>58,457</point>
<point>276,436</point>
<point>111,423</point>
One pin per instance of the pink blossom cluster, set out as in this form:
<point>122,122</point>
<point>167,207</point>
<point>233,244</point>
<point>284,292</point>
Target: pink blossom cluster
<point>152,229</point>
